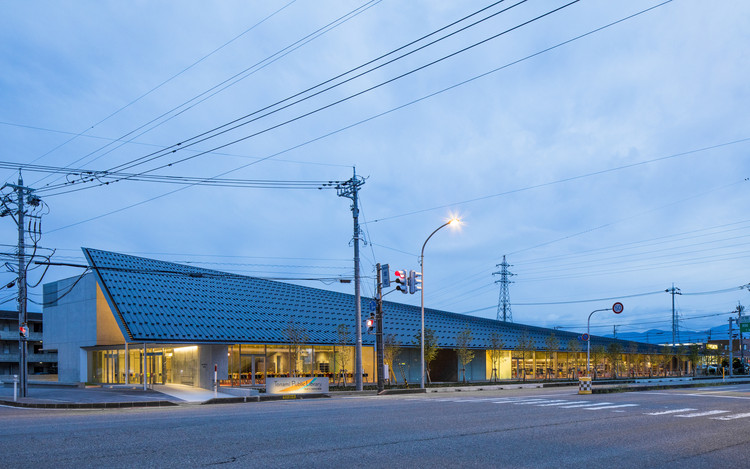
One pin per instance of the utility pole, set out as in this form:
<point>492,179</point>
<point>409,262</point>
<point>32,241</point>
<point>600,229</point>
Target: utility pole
<point>503,305</point>
<point>740,309</point>
<point>350,189</point>
<point>675,326</point>
<point>614,331</point>
<point>379,330</point>
<point>21,193</point>
<point>731,357</point>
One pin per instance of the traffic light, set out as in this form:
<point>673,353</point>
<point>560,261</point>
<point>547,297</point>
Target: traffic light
<point>370,323</point>
<point>401,281</point>
<point>417,281</point>
<point>23,331</point>
<point>412,282</point>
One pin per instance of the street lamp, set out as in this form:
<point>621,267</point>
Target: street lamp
<point>617,309</point>
<point>452,221</point>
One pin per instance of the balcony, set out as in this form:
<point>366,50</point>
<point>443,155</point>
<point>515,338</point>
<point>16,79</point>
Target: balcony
<point>14,336</point>
<point>30,358</point>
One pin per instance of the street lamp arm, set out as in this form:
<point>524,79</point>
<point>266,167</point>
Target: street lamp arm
<point>421,255</point>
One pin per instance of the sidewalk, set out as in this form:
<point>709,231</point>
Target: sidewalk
<point>122,396</point>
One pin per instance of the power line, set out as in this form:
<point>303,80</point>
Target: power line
<point>242,75</point>
<point>240,122</point>
<point>162,83</point>
<point>378,115</point>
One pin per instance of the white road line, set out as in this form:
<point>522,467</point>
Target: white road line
<point>540,402</point>
<point>574,406</point>
<point>703,414</point>
<point>731,417</point>
<point>665,412</point>
<point>522,401</point>
<point>610,406</point>
<point>697,395</point>
<point>553,404</point>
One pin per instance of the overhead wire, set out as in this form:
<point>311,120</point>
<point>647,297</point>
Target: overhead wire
<point>164,82</point>
<point>242,75</point>
<point>234,125</point>
<point>381,114</point>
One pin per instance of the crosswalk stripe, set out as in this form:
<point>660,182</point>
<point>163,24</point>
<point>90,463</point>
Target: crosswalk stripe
<point>611,406</point>
<point>553,404</point>
<point>702,414</point>
<point>575,406</point>
<point>538,402</point>
<point>731,417</point>
<point>665,412</point>
<point>519,401</point>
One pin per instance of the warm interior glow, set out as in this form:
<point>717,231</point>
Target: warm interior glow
<point>190,348</point>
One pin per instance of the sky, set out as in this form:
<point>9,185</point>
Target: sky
<point>602,147</point>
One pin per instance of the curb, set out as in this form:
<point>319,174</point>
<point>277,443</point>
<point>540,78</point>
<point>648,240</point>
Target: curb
<point>386,392</point>
<point>657,387</point>
<point>275,397</point>
<point>87,405</point>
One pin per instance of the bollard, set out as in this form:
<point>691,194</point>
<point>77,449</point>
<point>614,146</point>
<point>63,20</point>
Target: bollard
<point>584,385</point>
<point>15,388</point>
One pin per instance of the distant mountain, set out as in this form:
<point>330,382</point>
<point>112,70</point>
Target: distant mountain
<point>659,336</point>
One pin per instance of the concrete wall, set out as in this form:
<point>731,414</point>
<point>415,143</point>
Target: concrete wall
<point>208,356</point>
<point>69,324</point>
<point>80,318</point>
<point>476,370</point>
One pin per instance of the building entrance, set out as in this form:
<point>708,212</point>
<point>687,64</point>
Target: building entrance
<point>252,369</point>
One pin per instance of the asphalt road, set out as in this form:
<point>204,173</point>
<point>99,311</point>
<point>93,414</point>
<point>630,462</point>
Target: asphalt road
<point>690,428</point>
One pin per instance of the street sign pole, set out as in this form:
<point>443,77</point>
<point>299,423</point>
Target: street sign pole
<point>617,309</point>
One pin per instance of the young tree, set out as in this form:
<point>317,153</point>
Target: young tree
<point>597,354</point>
<point>391,348</point>
<point>694,355</point>
<point>574,347</point>
<point>496,345</point>
<point>634,359</point>
<point>296,338</point>
<point>614,355</point>
<point>344,353</point>
<point>465,355</point>
<point>430,348</point>
<point>665,359</point>
<point>524,346</point>
<point>552,344</point>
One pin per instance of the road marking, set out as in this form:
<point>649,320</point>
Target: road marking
<point>731,417</point>
<point>544,401</point>
<point>553,404</point>
<point>522,401</point>
<point>611,406</point>
<point>673,411</point>
<point>574,406</point>
<point>697,395</point>
<point>703,414</point>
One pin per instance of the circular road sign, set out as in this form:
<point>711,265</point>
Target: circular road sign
<point>617,308</point>
<point>584,337</point>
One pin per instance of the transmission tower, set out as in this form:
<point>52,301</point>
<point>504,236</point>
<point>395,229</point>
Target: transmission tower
<point>675,320</point>
<point>503,303</point>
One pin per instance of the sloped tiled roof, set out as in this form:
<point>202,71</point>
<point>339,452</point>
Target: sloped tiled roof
<point>159,301</point>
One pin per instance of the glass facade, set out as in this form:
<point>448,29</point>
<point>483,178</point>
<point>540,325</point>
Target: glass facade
<point>163,365</point>
<point>251,364</point>
<point>248,365</point>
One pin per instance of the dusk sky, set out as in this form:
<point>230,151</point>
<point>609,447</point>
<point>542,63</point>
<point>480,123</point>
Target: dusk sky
<point>601,146</point>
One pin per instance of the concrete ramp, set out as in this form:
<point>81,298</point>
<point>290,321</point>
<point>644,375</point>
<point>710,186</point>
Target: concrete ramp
<point>188,393</point>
